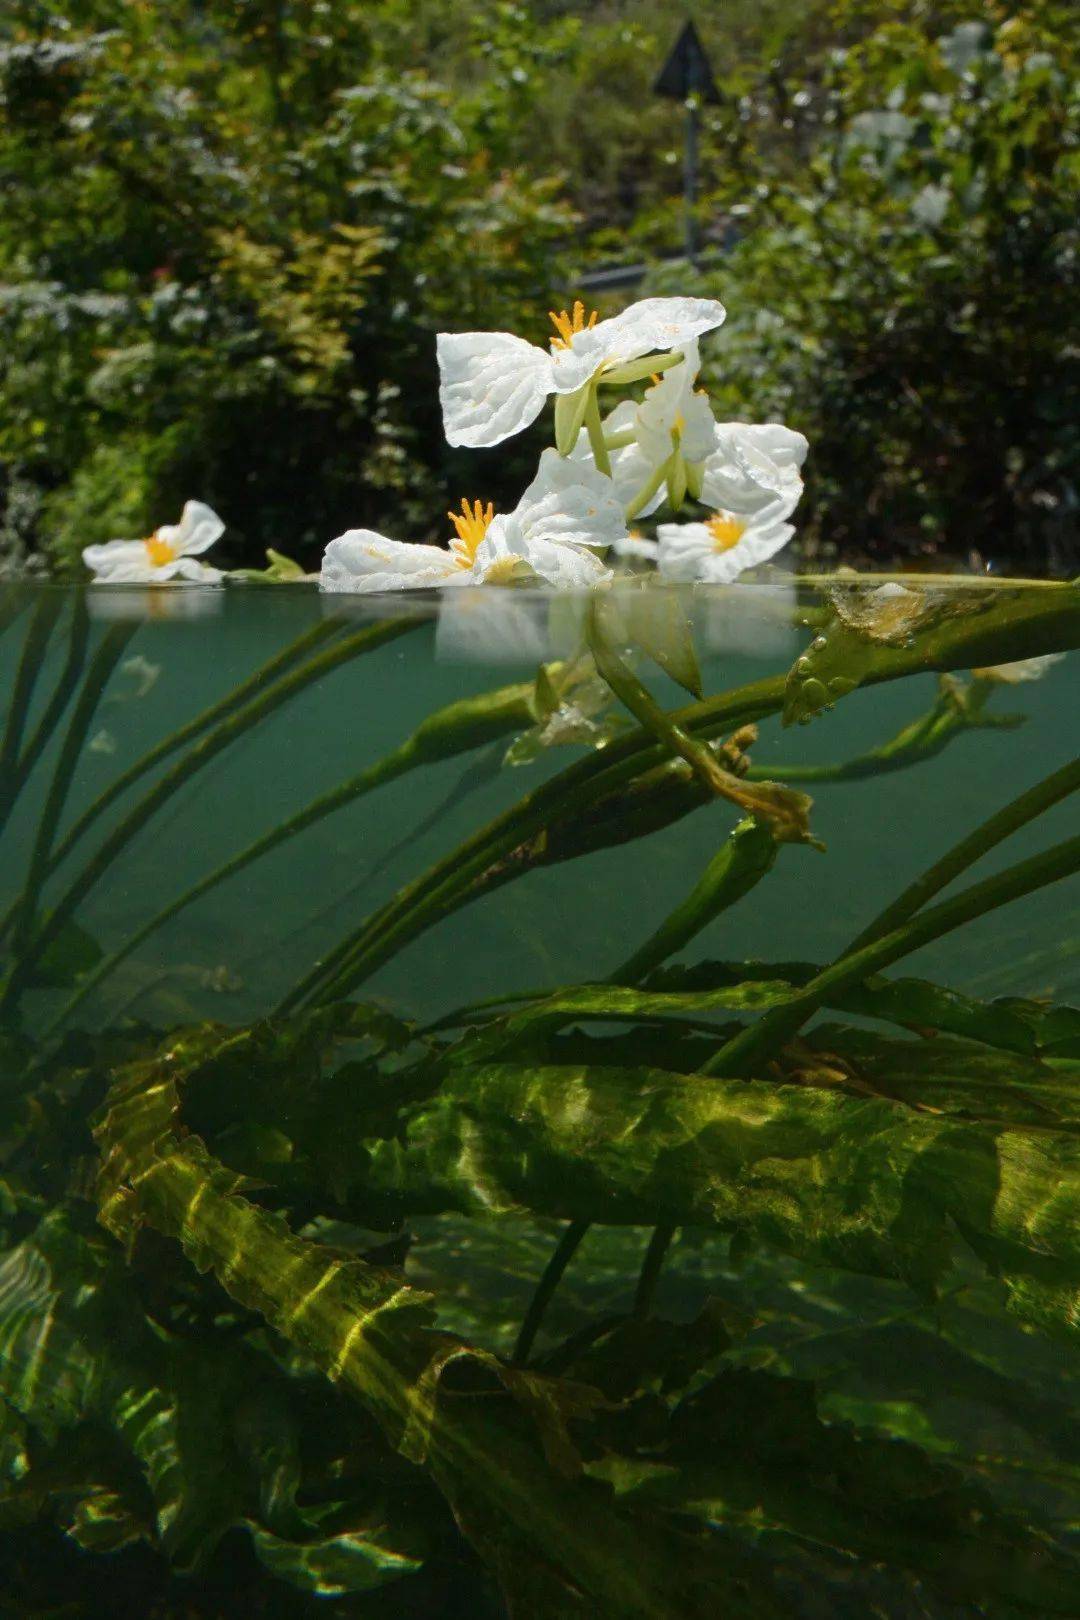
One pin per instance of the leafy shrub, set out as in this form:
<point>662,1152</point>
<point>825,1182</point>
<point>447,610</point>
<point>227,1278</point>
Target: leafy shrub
<point>907,300</point>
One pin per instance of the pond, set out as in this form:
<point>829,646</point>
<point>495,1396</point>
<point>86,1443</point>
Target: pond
<point>540,1105</point>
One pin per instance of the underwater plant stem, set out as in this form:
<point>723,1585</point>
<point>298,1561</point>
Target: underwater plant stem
<point>756,1044</point>
<point>923,739</point>
<point>203,751</point>
<point>561,1257</point>
<point>459,727</point>
<point>78,635</point>
<point>603,626</point>
<point>225,706</point>
<point>104,661</point>
<point>1053,624</point>
<point>447,884</point>
<point>1023,809</point>
<point>741,862</point>
<point>651,1266</point>
<point>594,427</point>
<point>781,810</point>
<point>35,641</point>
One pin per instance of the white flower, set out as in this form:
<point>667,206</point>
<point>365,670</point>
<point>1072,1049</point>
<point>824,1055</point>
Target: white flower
<point>565,510</point>
<point>720,549</point>
<point>660,444</point>
<point>166,555</point>
<point>493,384</point>
<point>754,466</point>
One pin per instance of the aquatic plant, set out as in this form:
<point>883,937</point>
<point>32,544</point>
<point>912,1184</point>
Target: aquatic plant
<point>207,1223</point>
<point>210,1327</point>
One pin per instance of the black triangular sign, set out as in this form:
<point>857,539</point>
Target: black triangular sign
<point>687,71</point>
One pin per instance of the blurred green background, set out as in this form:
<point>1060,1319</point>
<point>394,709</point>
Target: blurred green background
<point>230,230</point>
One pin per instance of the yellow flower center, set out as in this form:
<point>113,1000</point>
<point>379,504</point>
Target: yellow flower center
<point>567,326</point>
<point>471,524</point>
<point>726,532</point>
<point>159,551</point>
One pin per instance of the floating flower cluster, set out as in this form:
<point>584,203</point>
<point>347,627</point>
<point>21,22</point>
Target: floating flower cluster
<point>608,468</point>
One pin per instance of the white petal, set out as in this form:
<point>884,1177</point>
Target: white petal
<point>197,530</point>
<point>651,324</point>
<point>572,367</point>
<point>658,323</point>
<point>756,546</point>
<point>191,568</point>
<point>731,486</point>
<point>491,385</point>
<point>781,444</point>
<point>684,549</point>
<point>699,427</point>
<point>752,466</point>
<point>688,550</point>
<point>566,567</point>
<point>116,554</point>
<point>664,410</point>
<point>569,501</point>
<point>362,560</point>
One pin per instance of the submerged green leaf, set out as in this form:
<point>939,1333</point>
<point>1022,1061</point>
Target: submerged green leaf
<point>656,622</point>
<point>859,1182</point>
<point>174,1463</point>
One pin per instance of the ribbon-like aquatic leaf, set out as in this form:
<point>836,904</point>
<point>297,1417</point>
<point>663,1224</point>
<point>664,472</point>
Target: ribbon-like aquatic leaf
<point>77,1349</point>
<point>859,1182</point>
<point>432,1397</point>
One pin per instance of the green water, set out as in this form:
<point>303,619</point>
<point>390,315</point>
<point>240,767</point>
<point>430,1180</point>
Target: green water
<point>859,1400</point>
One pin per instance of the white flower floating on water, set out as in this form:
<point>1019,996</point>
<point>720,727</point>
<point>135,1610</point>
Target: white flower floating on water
<point>566,510</point>
<point>722,547</point>
<point>494,384</point>
<point>168,555</point>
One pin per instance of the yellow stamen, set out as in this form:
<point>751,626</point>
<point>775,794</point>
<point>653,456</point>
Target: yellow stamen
<point>159,551</point>
<point>726,532</point>
<point>568,326</point>
<point>471,524</point>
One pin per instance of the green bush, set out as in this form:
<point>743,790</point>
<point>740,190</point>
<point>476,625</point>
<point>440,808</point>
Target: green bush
<point>225,251</point>
<point>907,301</point>
<point>230,234</point>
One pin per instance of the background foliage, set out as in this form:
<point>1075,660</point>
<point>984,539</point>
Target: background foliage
<point>231,229</point>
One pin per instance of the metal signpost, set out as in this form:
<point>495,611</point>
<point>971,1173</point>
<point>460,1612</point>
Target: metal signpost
<point>687,76</point>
